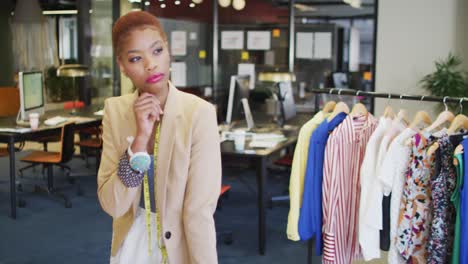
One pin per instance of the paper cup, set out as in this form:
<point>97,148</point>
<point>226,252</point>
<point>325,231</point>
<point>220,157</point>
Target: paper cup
<point>239,140</point>
<point>34,120</point>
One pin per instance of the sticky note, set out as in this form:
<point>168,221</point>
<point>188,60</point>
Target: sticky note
<point>244,55</point>
<point>202,54</point>
<point>276,33</point>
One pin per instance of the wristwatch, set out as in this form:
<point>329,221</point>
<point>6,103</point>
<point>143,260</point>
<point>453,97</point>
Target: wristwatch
<point>140,161</point>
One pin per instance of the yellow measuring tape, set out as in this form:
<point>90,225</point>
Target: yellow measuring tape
<point>146,195</point>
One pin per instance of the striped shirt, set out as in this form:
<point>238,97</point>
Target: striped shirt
<point>341,190</point>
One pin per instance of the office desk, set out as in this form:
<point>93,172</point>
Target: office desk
<point>13,137</point>
<point>260,158</point>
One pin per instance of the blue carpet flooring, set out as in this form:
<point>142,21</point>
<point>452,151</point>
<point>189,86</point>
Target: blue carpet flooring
<point>47,232</point>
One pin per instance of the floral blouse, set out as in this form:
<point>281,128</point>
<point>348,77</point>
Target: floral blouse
<point>415,208</point>
<point>443,185</point>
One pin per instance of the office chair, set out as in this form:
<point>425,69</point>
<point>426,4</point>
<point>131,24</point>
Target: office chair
<point>226,235</point>
<point>92,142</point>
<point>3,152</point>
<point>49,159</point>
<point>286,162</point>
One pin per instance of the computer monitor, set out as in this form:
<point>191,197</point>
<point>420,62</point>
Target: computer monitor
<point>286,98</point>
<point>238,90</point>
<point>340,80</point>
<point>31,87</point>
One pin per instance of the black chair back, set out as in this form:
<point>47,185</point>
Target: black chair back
<point>68,142</point>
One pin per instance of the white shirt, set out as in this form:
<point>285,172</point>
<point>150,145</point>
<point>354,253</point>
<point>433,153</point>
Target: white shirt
<point>392,177</point>
<point>373,212</point>
<point>369,237</point>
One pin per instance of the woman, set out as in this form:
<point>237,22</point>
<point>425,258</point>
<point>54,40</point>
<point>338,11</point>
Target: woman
<point>171,135</point>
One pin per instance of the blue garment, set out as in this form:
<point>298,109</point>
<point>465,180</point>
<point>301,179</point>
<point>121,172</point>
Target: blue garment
<point>151,188</point>
<point>464,208</point>
<point>310,218</point>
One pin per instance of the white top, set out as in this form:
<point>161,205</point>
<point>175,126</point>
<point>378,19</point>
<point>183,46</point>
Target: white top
<point>368,236</point>
<point>392,177</point>
<point>373,212</point>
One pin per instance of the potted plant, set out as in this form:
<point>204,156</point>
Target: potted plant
<point>447,80</point>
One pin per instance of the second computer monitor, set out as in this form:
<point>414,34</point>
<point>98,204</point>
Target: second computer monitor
<point>31,86</point>
<point>238,90</point>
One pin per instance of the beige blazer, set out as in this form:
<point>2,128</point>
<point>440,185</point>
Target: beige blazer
<point>188,177</point>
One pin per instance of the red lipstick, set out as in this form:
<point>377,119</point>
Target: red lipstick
<point>155,78</point>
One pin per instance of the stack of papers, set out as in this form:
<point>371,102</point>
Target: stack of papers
<point>267,140</point>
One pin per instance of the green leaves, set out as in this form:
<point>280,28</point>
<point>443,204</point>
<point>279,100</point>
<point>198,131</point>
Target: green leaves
<point>448,79</point>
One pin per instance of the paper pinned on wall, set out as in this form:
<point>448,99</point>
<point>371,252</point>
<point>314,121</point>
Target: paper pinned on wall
<point>178,43</point>
<point>270,58</point>
<point>322,45</point>
<point>232,40</point>
<point>179,74</point>
<point>304,45</point>
<point>247,69</point>
<point>258,40</point>
<point>354,41</point>
<point>193,36</point>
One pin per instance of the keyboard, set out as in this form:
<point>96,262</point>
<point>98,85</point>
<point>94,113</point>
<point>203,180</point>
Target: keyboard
<point>14,130</point>
<point>53,121</point>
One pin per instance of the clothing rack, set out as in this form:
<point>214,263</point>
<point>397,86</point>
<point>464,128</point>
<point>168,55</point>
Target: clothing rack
<point>429,98</point>
<point>352,92</point>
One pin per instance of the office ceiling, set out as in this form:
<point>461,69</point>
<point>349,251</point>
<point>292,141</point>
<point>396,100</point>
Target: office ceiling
<point>304,8</point>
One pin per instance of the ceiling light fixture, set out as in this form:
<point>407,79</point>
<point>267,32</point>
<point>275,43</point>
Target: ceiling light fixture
<point>192,5</point>
<point>60,12</point>
<point>147,3</point>
<point>177,2</point>
<point>305,8</point>
<point>163,5</point>
<point>353,3</point>
<point>238,4</point>
<point>224,3</point>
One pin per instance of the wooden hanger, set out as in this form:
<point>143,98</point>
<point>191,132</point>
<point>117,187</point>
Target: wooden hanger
<point>459,122</point>
<point>421,117</point>
<point>402,114</point>
<point>329,106</point>
<point>359,109</point>
<point>445,117</point>
<point>403,117</point>
<point>432,149</point>
<point>340,107</point>
<point>388,112</point>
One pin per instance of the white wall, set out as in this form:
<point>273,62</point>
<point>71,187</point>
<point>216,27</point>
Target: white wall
<point>411,36</point>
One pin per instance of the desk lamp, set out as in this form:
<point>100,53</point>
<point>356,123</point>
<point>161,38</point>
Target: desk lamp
<point>73,71</point>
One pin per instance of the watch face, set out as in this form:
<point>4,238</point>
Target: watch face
<point>140,162</point>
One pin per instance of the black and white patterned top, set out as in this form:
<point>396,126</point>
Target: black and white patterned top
<point>129,177</point>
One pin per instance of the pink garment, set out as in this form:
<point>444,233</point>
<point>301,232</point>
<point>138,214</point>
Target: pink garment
<point>341,189</point>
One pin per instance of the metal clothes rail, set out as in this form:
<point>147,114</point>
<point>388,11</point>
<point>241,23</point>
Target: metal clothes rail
<point>428,98</point>
<point>352,92</point>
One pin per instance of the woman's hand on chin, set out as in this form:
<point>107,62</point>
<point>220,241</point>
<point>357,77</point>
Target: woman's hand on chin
<point>148,111</point>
